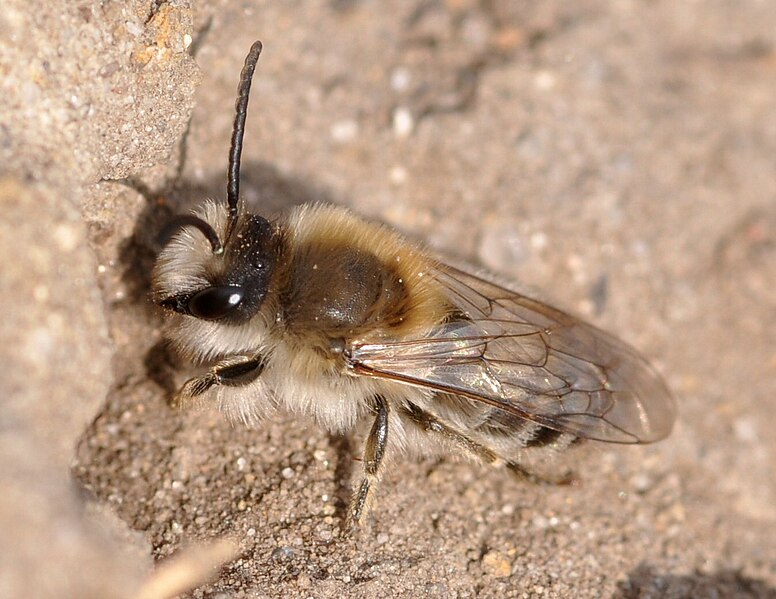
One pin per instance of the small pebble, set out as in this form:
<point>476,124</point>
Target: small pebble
<point>496,564</point>
<point>400,79</point>
<point>403,122</point>
<point>344,131</point>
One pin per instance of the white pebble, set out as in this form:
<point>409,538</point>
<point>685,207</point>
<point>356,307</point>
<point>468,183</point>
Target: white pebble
<point>398,175</point>
<point>403,122</point>
<point>400,79</point>
<point>745,429</point>
<point>545,80</point>
<point>344,131</point>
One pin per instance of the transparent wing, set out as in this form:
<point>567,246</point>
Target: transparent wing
<point>531,360</point>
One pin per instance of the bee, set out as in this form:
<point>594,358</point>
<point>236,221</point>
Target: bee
<point>327,316</point>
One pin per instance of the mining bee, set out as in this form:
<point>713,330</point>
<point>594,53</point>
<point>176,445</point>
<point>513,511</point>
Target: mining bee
<point>328,316</point>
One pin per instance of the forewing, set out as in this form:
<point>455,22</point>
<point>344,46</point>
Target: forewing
<point>529,359</point>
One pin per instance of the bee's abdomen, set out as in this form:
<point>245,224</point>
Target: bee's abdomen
<point>543,436</point>
<point>501,424</point>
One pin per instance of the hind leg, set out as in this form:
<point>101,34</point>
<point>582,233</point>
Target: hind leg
<point>430,423</point>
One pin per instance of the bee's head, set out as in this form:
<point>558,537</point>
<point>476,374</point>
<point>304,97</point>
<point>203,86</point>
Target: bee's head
<point>217,266</point>
<point>197,276</point>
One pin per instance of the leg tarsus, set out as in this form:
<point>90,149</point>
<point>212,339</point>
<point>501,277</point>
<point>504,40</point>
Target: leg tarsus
<point>234,371</point>
<point>358,504</point>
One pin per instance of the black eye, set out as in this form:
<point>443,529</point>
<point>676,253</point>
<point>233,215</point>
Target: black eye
<point>215,302</point>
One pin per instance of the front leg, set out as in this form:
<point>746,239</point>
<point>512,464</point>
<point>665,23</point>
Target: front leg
<point>234,371</point>
<point>374,451</point>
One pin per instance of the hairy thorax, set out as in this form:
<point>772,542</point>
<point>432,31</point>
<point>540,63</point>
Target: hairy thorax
<point>348,279</point>
<point>342,291</point>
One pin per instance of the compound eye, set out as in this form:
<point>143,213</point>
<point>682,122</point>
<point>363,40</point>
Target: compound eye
<point>215,302</point>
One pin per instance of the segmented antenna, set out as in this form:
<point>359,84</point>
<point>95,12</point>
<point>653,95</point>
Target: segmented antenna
<point>241,109</point>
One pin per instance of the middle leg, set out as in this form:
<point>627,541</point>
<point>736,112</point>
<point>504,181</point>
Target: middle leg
<point>374,452</point>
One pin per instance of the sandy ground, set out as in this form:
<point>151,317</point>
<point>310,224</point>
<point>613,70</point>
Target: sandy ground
<point>620,156</point>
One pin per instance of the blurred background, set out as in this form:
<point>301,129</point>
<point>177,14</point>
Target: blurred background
<point>618,155</point>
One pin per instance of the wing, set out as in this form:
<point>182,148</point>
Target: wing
<point>531,360</point>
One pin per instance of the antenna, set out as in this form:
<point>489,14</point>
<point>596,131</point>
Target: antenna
<point>238,131</point>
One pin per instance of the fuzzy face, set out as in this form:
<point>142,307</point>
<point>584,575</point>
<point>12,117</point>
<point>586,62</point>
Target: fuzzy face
<point>216,299</point>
